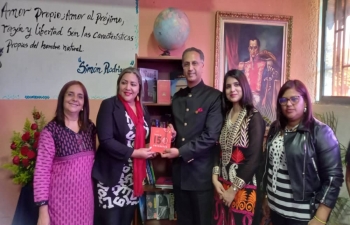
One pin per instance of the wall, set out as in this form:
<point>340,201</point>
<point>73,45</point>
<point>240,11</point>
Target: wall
<point>201,14</point>
<point>202,20</point>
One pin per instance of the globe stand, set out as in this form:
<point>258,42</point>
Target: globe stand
<point>165,53</point>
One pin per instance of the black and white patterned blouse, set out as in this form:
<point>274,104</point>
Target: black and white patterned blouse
<point>279,188</point>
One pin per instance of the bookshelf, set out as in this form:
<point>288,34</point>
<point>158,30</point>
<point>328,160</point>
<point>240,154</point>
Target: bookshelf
<point>164,65</point>
<point>156,104</point>
<point>162,167</point>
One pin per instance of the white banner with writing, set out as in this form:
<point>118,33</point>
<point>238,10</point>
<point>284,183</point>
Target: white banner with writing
<point>43,45</point>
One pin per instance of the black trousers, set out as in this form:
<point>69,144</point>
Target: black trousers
<point>113,216</point>
<point>194,207</point>
<point>27,212</point>
<point>278,219</point>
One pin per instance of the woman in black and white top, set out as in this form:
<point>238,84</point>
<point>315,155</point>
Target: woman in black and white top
<point>119,168</point>
<point>303,171</point>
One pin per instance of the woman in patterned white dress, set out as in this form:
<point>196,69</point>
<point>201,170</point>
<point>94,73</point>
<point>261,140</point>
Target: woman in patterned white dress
<point>120,167</point>
<point>241,142</point>
<point>62,178</point>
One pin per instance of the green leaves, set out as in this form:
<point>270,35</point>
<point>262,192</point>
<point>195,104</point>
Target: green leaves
<point>23,147</point>
<point>341,212</point>
<point>332,121</point>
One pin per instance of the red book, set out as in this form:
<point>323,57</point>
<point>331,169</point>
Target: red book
<point>164,182</point>
<point>163,91</point>
<point>160,139</point>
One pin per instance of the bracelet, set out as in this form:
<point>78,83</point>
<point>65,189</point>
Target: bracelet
<point>216,170</point>
<point>234,188</point>
<point>238,182</point>
<point>321,221</point>
<point>41,203</point>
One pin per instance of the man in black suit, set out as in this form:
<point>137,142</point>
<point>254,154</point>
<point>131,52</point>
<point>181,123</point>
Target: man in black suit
<point>197,119</point>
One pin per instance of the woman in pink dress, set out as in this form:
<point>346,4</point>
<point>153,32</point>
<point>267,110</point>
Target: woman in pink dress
<point>62,179</point>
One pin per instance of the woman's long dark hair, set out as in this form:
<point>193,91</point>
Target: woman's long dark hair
<point>84,120</point>
<point>301,88</point>
<point>247,96</point>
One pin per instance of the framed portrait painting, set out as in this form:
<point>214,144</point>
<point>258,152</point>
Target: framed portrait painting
<point>260,46</point>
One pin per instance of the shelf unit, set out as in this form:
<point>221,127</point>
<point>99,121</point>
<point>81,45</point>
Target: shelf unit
<point>161,167</point>
<point>164,65</point>
<point>156,104</point>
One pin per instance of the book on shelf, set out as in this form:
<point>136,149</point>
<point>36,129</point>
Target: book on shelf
<point>177,81</point>
<point>160,139</point>
<point>167,118</point>
<point>150,173</point>
<point>163,91</point>
<point>149,84</point>
<point>172,211</point>
<point>164,183</point>
<point>163,206</point>
<point>151,206</point>
<point>142,208</point>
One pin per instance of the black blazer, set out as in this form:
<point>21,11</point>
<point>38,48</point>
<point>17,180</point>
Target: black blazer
<point>112,152</point>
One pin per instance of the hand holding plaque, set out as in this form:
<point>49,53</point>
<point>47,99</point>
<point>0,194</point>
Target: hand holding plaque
<point>160,139</point>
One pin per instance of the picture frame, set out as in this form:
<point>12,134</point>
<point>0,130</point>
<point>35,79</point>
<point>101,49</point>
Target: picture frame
<point>260,46</point>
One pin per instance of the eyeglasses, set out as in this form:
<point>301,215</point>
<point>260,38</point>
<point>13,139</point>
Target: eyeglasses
<point>293,99</point>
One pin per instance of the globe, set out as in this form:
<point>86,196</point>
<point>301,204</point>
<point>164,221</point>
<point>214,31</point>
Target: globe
<point>171,29</point>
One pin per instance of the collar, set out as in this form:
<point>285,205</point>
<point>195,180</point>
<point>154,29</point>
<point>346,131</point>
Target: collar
<point>117,102</point>
<point>196,88</point>
<point>302,126</point>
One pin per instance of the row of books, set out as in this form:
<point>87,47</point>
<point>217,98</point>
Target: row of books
<point>160,182</point>
<point>151,179</point>
<point>160,91</point>
<point>157,206</point>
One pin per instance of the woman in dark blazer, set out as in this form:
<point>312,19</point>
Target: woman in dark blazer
<point>120,168</point>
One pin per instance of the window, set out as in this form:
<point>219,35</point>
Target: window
<point>334,57</point>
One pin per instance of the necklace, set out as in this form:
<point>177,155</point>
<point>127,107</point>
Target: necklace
<point>293,129</point>
<point>228,134</point>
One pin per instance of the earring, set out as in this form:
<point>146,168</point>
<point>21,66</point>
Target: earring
<point>305,109</point>
<point>82,109</point>
<point>137,98</point>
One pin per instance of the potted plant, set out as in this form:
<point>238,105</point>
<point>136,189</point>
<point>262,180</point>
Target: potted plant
<point>24,151</point>
<point>340,214</point>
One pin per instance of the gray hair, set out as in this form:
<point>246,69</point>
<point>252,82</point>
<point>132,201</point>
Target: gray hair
<point>193,49</point>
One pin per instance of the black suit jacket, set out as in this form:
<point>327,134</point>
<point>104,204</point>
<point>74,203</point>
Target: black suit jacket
<point>197,118</point>
<point>113,151</point>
